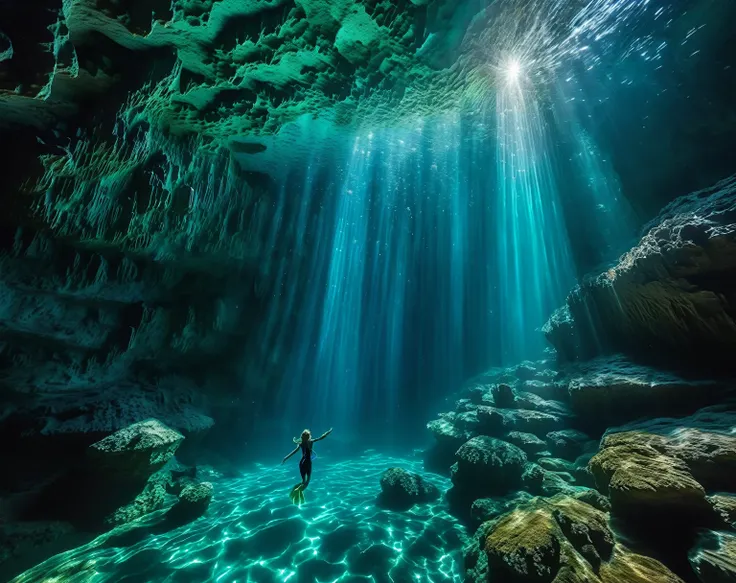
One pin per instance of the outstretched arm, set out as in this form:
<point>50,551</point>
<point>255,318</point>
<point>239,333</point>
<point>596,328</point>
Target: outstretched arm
<point>325,434</point>
<point>296,449</point>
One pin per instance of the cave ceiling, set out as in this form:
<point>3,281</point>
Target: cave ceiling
<point>236,72</point>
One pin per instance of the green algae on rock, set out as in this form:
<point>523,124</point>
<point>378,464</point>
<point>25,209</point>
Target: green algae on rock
<point>639,479</point>
<point>488,464</point>
<point>401,489</point>
<point>564,540</point>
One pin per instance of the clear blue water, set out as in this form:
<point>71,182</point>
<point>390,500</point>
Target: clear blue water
<point>253,533</point>
<point>400,260</point>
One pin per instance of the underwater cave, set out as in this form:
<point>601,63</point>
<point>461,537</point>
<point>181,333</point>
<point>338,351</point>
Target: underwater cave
<point>366,291</point>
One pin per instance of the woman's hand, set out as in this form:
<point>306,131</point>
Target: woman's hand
<point>283,461</point>
<point>328,431</point>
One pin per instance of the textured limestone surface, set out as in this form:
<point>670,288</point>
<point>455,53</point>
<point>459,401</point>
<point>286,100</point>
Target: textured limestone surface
<point>562,539</point>
<point>714,557</point>
<point>401,489</point>
<point>669,297</point>
<point>141,448</point>
<point>245,68</point>
<point>662,479</point>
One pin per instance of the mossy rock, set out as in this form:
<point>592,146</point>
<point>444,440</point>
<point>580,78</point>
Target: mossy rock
<point>628,567</point>
<point>640,479</point>
<point>486,465</point>
<point>526,545</point>
<point>138,450</point>
<point>563,540</point>
<point>152,498</point>
<point>547,538</point>
<point>193,503</point>
<point>703,442</point>
<point>528,442</point>
<point>401,489</point>
<point>595,499</point>
<point>485,509</point>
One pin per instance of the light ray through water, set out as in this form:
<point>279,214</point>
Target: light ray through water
<point>535,267</point>
<point>338,355</point>
<point>408,285</point>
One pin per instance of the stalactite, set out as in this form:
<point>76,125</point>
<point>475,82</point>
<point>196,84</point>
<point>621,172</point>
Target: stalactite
<point>150,194</point>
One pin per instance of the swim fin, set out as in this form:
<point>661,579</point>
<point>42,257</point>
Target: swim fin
<point>297,496</point>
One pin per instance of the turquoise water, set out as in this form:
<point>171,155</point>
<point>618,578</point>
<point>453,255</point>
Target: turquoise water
<point>252,533</point>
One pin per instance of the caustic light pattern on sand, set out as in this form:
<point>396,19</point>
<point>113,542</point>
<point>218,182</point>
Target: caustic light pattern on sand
<point>252,533</point>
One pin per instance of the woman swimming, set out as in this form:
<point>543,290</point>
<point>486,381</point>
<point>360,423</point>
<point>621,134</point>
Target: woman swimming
<point>305,464</point>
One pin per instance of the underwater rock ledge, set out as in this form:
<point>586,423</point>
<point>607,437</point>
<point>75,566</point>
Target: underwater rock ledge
<point>670,297</point>
<point>524,440</point>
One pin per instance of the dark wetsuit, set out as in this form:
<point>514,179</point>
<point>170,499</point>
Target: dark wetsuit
<point>305,464</point>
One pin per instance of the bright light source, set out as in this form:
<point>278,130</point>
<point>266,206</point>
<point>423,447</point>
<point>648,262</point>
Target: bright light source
<point>512,71</point>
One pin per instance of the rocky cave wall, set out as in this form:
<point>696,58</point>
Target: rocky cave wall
<point>136,253</point>
<point>134,243</point>
<point>125,118</point>
<point>670,299</point>
<point>592,466</point>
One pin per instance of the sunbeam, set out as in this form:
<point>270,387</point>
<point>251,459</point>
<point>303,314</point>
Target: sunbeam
<point>535,265</point>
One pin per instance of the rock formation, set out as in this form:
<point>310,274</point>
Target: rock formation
<point>559,539</point>
<point>138,265</point>
<point>663,470</point>
<point>669,298</point>
<point>401,489</point>
<point>116,482</point>
<point>122,478</point>
<point>714,557</point>
<point>194,499</point>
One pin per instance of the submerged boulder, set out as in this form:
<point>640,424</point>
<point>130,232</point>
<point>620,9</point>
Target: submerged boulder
<point>628,567</point>
<point>496,422</point>
<point>567,443</point>
<point>611,391</point>
<point>485,509</point>
<point>526,545</point>
<point>595,499</point>
<point>548,389</point>
<point>485,467</point>
<point>714,557</point>
<point>193,503</point>
<point>704,442</point>
<point>562,539</point>
<point>640,480</point>
<point>532,401</point>
<point>528,442</point>
<point>401,489</point>
<point>449,435</point>
<point>664,298</point>
<point>120,480</point>
<point>447,431</point>
<point>152,498</point>
<point>137,450</point>
<point>488,465</point>
<point>503,396</point>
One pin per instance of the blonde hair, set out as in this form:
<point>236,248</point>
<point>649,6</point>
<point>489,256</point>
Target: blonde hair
<point>300,439</point>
